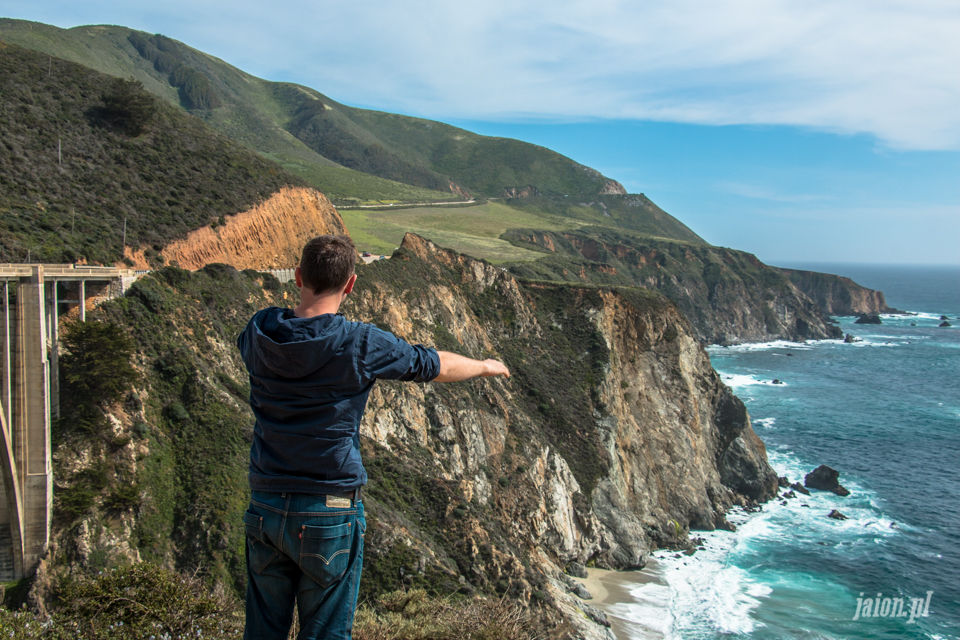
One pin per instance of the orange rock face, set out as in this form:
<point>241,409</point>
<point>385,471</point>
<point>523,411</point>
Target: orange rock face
<point>269,236</point>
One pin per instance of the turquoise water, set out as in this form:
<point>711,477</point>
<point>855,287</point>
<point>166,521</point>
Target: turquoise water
<point>885,412</point>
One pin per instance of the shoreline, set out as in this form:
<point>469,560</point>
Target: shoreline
<point>637,603</point>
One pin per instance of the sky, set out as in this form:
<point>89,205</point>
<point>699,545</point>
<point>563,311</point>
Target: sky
<point>801,131</point>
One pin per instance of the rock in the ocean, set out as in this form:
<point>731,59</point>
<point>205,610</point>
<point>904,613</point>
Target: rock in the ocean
<point>868,318</point>
<point>577,570</point>
<point>825,479</point>
<point>944,318</point>
<point>850,339</point>
<point>775,381</point>
<point>783,481</point>
<point>945,324</point>
<point>799,488</point>
<point>789,495</point>
<point>836,515</point>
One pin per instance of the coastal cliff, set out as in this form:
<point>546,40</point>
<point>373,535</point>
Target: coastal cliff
<point>837,295</point>
<point>613,437</point>
<point>271,235</point>
<point>729,296</point>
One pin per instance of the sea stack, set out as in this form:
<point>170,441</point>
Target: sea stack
<point>825,479</point>
<point>868,318</point>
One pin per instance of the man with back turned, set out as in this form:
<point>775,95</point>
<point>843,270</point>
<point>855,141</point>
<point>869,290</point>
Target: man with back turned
<point>311,371</point>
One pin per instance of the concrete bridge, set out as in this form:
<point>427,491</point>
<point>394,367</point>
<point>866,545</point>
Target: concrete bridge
<point>34,297</point>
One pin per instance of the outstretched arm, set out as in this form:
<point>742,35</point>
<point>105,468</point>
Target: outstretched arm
<point>454,368</point>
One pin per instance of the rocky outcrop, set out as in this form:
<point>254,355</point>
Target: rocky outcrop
<point>825,478</point>
<point>729,296</point>
<point>868,318</point>
<point>612,187</point>
<point>269,236</point>
<point>520,192</point>
<point>837,295</point>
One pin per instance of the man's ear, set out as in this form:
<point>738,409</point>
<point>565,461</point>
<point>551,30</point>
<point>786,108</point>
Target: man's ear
<point>349,288</point>
<point>298,277</point>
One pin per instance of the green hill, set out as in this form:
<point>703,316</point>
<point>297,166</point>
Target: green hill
<point>82,152</point>
<point>309,133</point>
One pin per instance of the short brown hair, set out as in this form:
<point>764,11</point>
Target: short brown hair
<point>327,263</point>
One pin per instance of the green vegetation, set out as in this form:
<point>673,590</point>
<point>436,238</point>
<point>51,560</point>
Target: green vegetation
<point>127,107</point>
<point>414,615</point>
<point>495,231</point>
<point>196,92</point>
<point>473,230</point>
<point>149,601</point>
<point>306,127</point>
<point>346,187</point>
<point>180,464</point>
<point>633,214</point>
<point>95,372</point>
<point>131,603</point>
<point>72,172</point>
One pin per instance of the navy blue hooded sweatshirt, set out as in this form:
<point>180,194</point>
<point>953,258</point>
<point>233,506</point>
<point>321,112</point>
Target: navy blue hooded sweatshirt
<point>309,382</point>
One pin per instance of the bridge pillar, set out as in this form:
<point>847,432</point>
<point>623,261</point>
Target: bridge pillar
<point>6,351</point>
<point>31,419</point>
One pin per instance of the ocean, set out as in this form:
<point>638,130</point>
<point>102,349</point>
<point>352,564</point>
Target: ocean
<point>885,413</point>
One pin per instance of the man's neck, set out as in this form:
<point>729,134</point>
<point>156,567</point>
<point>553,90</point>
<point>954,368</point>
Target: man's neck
<point>318,306</point>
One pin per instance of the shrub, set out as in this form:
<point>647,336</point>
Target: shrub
<point>414,615</point>
<point>140,601</point>
<point>95,365</point>
<point>127,106</point>
<point>124,497</point>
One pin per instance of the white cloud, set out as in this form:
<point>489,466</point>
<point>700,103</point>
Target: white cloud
<point>890,68</point>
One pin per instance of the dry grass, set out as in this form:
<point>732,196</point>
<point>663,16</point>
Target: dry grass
<point>414,615</point>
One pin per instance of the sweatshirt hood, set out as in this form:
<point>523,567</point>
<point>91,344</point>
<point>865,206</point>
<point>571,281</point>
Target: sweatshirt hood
<point>281,345</point>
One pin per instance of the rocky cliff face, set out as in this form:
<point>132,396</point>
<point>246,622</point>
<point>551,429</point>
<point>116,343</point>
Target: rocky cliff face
<point>613,437</point>
<point>269,236</point>
<point>729,296</point>
<point>837,295</point>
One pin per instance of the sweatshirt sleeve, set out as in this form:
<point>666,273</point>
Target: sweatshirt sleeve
<point>387,357</point>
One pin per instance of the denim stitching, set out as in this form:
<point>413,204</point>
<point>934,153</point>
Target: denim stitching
<point>325,561</point>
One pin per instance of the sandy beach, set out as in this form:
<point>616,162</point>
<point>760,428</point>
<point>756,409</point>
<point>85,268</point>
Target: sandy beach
<point>637,603</point>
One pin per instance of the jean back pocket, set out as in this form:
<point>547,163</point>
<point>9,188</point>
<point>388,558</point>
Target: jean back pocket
<point>259,553</point>
<point>325,552</point>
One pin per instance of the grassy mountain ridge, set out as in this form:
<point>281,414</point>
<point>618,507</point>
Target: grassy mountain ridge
<point>71,176</point>
<point>309,128</point>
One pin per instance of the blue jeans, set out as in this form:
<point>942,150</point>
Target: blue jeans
<point>300,549</point>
